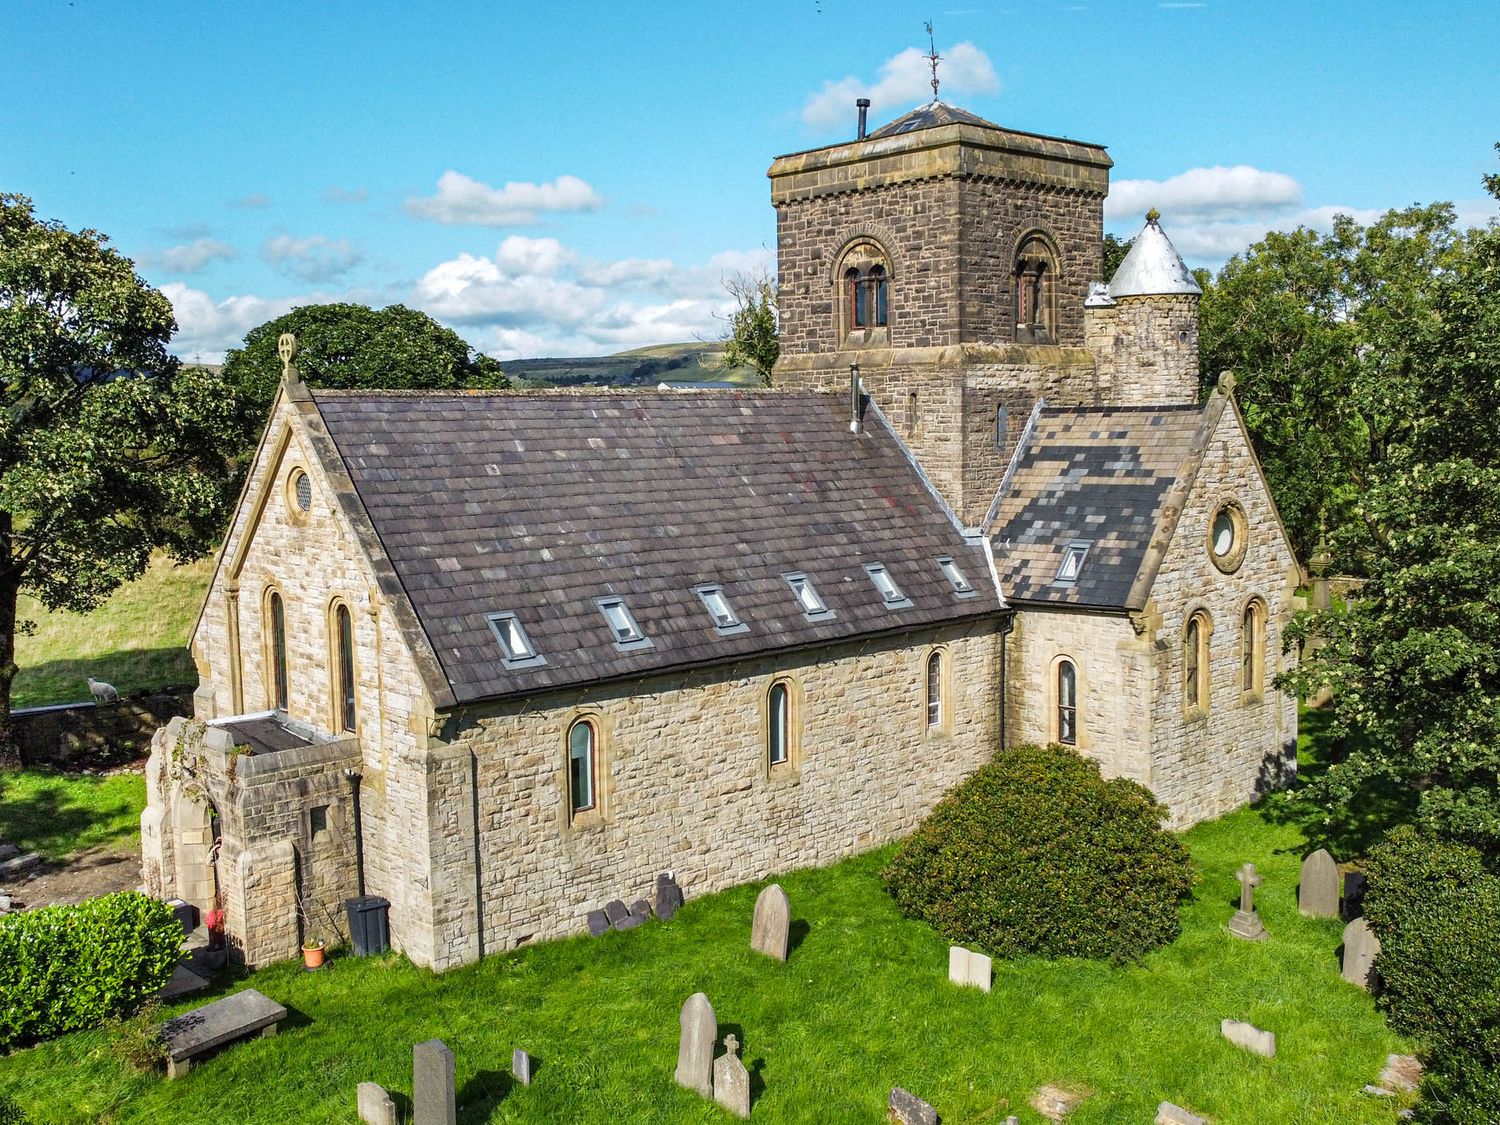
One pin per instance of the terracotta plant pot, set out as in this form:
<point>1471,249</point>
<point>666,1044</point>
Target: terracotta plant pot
<point>312,955</point>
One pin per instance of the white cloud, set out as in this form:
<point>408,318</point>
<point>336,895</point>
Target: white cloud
<point>903,83</point>
<point>190,257</point>
<point>336,194</point>
<point>477,290</point>
<point>463,200</point>
<point>315,258</point>
<point>207,328</point>
<point>538,257</point>
<point>1204,192</point>
<point>625,272</point>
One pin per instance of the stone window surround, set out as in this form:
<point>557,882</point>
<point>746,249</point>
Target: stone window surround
<point>1230,562</point>
<point>943,728</point>
<point>791,769</point>
<point>862,252</point>
<point>1200,709</point>
<point>294,511</point>
<point>1054,721</point>
<point>268,646</point>
<point>335,664</point>
<point>602,812</point>
<point>1257,640</point>
<point>1036,255</point>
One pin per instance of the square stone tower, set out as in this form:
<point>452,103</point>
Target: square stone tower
<point>949,259</point>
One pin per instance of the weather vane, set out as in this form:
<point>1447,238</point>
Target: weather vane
<point>933,58</point>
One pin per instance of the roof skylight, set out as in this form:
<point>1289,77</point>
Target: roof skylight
<point>617,616</point>
<point>725,620</point>
<point>890,593</point>
<point>957,579</point>
<point>812,606</point>
<point>516,649</point>
<point>1072,562</point>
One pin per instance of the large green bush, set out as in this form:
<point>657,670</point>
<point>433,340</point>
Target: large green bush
<point>1038,853</point>
<point>63,968</point>
<point>10,1112</point>
<point>1435,905</point>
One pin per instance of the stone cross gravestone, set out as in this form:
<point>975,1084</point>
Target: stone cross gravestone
<point>965,967</point>
<point>1246,923</point>
<point>731,1080</point>
<point>1360,947</point>
<point>376,1107</point>
<point>433,1094</point>
<point>1318,893</point>
<point>520,1066</point>
<point>770,930</point>
<point>695,1050</point>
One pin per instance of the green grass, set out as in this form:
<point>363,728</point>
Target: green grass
<point>60,814</point>
<point>137,639</point>
<point>863,1004</point>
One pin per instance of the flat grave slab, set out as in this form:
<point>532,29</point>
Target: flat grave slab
<point>203,1029</point>
<point>184,982</point>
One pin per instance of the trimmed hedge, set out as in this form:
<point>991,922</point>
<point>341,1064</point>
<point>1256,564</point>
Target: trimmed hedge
<point>1037,853</point>
<point>64,968</point>
<point>1435,905</point>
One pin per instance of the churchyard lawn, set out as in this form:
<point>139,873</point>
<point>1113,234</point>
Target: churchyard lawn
<point>60,814</point>
<point>863,1004</point>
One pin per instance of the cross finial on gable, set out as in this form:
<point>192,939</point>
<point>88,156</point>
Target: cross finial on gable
<point>933,58</point>
<point>286,348</point>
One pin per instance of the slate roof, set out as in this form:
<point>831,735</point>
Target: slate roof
<point>930,116</point>
<point>1113,478</point>
<point>537,503</point>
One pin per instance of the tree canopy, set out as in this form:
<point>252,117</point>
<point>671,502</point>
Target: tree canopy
<point>354,346</point>
<point>751,337</point>
<point>108,451</point>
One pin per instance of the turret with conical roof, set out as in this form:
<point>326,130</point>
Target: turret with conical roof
<point>1142,326</point>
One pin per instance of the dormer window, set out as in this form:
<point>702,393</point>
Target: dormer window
<point>726,621</point>
<point>812,606</point>
<point>1072,562</point>
<point>957,579</point>
<point>890,593</point>
<point>627,634</point>
<point>516,649</point>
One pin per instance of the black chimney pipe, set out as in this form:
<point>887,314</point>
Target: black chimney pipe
<point>864,108</point>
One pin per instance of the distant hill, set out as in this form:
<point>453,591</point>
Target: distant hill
<point>694,362</point>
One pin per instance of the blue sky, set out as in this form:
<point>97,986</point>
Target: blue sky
<point>570,179</point>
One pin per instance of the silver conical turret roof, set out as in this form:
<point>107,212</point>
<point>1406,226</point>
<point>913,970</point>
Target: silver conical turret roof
<point>1153,267</point>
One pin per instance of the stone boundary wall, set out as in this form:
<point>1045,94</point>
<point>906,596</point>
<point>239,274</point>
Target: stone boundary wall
<point>95,735</point>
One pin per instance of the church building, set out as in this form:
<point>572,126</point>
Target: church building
<point>501,657</point>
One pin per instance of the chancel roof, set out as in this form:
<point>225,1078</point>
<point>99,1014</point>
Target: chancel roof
<point>536,504</point>
<point>1109,481</point>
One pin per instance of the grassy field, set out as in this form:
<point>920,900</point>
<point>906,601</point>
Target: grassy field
<point>135,640</point>
<point>57,814</point>
<point>863,1004</point>
<point>692,362</point>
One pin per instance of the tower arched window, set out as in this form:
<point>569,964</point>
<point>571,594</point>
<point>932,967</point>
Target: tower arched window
<point>865,301</point>
<point>1036,292</point>
<point>1067,703</point>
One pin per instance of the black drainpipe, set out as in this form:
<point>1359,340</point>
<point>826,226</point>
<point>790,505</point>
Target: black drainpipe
<point>1005,631</point>
<point>359,836</point>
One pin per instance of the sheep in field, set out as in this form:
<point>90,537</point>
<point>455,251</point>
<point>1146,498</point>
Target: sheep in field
<point>103,692</point>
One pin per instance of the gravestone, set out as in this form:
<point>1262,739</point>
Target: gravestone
<point>970,969</point>
<point>641,909</point>
<point>1250,1038</point>
<point>433,1096</point>
<point>1246,922</point>
<point>1360,947</point>
<point>1318,893</point>
<point>520,1066</point>
<point>616,911</point>
<point>376,1107</point>
<point>909,1109</point>
<point>695,1049</point>
<point>770,929</point>
<point>631,921</point>
<point>236,1016</point>
<point>1169,1114</point>
<point>1402,1072</point>
<point>731,1080</point>
<point>668,897</point>
<point>598,923</point>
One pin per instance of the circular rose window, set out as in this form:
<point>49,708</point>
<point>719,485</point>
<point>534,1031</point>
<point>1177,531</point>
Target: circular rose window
<point>1226,537</point>
<point>299,493</point>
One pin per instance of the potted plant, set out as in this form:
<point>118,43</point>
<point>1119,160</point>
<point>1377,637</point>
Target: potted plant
<point>312,953</point>
<point>217,952</point>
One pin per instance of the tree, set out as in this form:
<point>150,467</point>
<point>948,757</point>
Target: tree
<point>108,451</point>
<point>1319,331</point>
<point>1115,250</point>
<point>751,337</point>
<point>354,346</point>
<point>1414,662</point>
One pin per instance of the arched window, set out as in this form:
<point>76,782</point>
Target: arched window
<point>935,690</point>
<point>913,419</point>
<point>343,683</point>
<point>1036,292</point>
<point>1195,663</point>
<point>583,754</point>
<point>1253,648</point>
<point>276,611</point>
<point>865,277</point>
<point>1067,703</point>
<point>778,724</point>
<point>1002,421</point>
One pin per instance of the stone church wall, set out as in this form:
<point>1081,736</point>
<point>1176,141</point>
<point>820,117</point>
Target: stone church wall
<point>685,786</point>
<point>1206,764</point>
<point>1146,349</point>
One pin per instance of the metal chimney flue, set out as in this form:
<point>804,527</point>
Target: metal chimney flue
<point>856,400</point>
<point>864,109</point>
